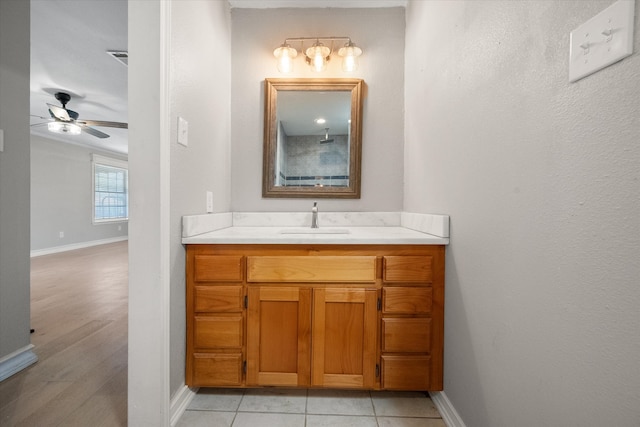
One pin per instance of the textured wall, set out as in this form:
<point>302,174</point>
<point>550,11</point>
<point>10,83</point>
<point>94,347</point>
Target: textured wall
<point>61,196</point>
<point>200,81</point>
<point>380,33</point>
<point>541,178</point>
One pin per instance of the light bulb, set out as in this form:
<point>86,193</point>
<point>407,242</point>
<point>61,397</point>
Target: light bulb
<point>62,127</point>
<point>317,56</point>
<point>285,55</point>
<point>350,53</point>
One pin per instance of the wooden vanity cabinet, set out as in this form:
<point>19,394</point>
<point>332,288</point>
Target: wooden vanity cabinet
<point>279,336</point>
<point>344,337</point>
<point>215,320</point>
<point>412,325</point>
<point>334,316</point>
<point>336,294</point>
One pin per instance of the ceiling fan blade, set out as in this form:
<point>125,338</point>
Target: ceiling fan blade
<point>40,117</point>
<point>104,124</point>
<point>92,131</point>
<point>59,113</point>
<point>39,124</point>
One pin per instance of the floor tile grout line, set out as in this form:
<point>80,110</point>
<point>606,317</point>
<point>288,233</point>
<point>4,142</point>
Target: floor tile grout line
<point>306,407</point>
<point>273,412</point>
<point>312,413</point>
<point>374,409</point>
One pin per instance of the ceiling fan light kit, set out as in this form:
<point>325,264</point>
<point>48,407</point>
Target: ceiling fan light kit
<point>66,121</point>
<point>66,128</point>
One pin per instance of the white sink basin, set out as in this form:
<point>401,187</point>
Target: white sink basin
<point>309,230</point>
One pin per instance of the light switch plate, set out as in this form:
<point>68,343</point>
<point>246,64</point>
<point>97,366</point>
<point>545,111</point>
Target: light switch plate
<point>183,132</point>
<point>602,40</point>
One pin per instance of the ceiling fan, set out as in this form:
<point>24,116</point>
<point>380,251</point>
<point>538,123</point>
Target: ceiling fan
<point>66,121</point>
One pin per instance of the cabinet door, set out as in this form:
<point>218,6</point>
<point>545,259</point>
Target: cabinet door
<point>278,336</point>
<point>344,337</point>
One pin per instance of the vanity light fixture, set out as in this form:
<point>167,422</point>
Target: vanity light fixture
<point>62,127</point>
<point>318,54</point>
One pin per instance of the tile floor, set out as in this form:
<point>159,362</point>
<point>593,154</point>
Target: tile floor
<point>309,408</point>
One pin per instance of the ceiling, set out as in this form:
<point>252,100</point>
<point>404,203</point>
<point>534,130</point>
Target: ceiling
<point>69,41</point>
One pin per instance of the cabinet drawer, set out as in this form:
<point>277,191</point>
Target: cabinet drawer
<point>406,372</point>
<point>217,369</point>
<point>218,332</point>
<point>408,269</point>
<point>218,268</point>
<point>404,300</point>
<point>309,269</point>
<point>218,298</point>
<point>406,335</point>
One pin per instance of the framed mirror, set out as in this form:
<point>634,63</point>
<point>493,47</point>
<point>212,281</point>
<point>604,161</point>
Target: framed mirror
<point>312,138</point>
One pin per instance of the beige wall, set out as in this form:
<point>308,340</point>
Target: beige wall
<point>541,178</point>
<point>380,33</point>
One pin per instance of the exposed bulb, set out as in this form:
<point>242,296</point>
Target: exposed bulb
<point>285,55</point>
<point>317,56</point>
<point>62,127</point>
<point>350,53</point>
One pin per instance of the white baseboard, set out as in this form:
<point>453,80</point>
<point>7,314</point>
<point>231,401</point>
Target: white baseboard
<point>180,402</point>
<point>74,246</point>
<point>449,414</point>
<point>17,361</point>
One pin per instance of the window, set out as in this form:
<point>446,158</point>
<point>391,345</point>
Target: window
<point>110,189</point>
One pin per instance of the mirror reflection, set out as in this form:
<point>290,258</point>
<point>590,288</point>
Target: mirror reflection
<point>312,138</point>
<point>312,142</point>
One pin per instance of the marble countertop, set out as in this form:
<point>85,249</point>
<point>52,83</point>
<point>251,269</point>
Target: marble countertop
<point>356,229</point>
<point>329,235</point>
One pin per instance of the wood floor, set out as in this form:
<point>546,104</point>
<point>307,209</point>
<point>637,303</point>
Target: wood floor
<point>79,313</point>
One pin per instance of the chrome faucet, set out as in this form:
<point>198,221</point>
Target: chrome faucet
<point>314,215</point>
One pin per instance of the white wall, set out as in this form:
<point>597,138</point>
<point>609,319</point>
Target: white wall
<point>14,178</point>
<point>541,178</point>
<point>61,196</point>
<point>149,214</point>
<point>200,93</point>
<point>179,66</point>
<point>380,33</point>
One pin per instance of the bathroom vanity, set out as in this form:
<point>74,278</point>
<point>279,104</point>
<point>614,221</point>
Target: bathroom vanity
<point>360,309</point>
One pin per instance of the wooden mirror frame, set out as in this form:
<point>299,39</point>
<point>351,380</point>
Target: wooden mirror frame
<point>271,89</point>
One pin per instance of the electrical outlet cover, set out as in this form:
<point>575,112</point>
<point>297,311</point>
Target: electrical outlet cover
<point>209,202</point>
